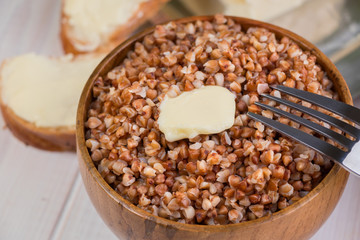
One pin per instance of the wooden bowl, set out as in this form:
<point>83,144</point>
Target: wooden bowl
<point>298,221</point>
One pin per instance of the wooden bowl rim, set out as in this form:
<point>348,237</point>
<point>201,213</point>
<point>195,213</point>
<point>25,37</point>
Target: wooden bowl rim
<point>83,152</point>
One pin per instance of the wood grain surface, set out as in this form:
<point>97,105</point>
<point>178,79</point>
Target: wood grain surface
<point>41,193</point>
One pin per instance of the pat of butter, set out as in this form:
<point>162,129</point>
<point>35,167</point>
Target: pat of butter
<point>208,110</point>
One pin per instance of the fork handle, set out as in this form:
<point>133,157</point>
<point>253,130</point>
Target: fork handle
<point>352,160</point>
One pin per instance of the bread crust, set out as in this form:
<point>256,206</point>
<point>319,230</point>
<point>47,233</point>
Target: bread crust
<point>145,11</point>
<point>46,138</point>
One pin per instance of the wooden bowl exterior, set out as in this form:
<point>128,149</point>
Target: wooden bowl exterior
<point>298,221</point>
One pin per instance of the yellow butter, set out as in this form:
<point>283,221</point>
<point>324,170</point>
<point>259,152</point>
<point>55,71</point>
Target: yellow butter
<point>208,110</point>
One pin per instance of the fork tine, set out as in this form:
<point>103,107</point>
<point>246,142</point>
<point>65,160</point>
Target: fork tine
<point>315,143</point>
<point>351,130</point>
<point>344,141</point>
<point>340,108</point>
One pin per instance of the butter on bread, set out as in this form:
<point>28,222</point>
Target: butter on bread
<point>100,25</point>
<point>39,97</point>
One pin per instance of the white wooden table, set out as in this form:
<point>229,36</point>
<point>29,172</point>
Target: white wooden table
<point>41,193</point>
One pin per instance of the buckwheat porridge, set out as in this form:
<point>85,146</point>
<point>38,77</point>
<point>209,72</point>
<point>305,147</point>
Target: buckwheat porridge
<point>245,172</point>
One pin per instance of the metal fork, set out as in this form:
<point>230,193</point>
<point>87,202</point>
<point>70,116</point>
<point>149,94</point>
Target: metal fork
<point>350,158</point>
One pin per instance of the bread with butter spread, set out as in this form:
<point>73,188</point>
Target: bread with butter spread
<point>39,97</point>
<point>99,26</point>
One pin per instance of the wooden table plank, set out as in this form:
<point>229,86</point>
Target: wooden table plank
<point>34,186</point>
<point>30,26</point>
<point>81,220</point>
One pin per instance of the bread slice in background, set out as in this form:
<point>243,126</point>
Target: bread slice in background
<point>39,97</point>
<point>100,25</point>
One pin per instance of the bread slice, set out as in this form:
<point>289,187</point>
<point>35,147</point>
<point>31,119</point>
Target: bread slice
<point>100,25</point>
<point>39,97</point>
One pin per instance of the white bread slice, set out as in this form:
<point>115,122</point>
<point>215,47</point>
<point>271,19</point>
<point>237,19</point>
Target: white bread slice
<point>100,25</point>
<point>39,97</point>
